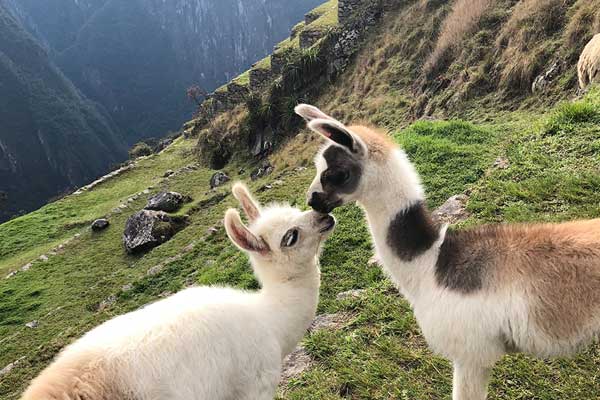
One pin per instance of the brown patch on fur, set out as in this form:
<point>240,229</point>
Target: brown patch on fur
<point>564,263</point>
<point>379,144</point>
<point>81,377</point>
<point>557,266</point>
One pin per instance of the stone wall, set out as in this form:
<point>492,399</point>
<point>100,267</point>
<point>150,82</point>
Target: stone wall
<point>309,37</point>
<point>365,14</point>
<point>347,8</point>
<point>260,78</point>
<point>278,61</point>
<point>357,18</point>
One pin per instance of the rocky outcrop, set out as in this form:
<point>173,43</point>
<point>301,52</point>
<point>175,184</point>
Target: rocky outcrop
<point>236,93</point>
<point>310,37</point>
<point>218,179</point>
<point>100,224</point>
<point>260,78</point>
<point>453,210</point>
<point>542,81</point>
<point>335,49</point>
<point>147,229</point>
<point>166,201</point>
<point>347,8</point>
<point>278,60</point>
<point>265,169</point>
<point>356,19</point>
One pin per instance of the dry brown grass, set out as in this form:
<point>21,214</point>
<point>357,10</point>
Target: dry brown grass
<point>584,23</point>
<point>462,20</point>
<point>523,43</point>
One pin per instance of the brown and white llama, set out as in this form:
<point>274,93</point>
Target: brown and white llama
<point>477,293</point>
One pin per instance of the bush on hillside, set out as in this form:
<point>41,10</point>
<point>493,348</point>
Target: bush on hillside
<point>568,116</point>
<point>140,149</point>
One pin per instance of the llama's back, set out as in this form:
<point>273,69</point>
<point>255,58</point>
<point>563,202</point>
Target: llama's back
<point>76,377</point>
<point>200,343</point>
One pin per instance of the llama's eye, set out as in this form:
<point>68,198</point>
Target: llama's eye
<point>290,238</point>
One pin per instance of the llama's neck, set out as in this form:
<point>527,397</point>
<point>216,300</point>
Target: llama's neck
<point>290,307</point>
<point>406,240</point>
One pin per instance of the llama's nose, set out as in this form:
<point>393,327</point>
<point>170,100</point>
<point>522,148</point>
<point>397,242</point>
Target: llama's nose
<point>312,199</point>
<point>318,202</point>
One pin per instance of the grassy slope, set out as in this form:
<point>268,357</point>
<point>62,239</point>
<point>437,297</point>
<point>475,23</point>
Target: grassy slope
<point>553,175</point>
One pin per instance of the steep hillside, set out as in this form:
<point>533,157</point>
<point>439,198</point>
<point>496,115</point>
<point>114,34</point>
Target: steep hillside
<point>513,155</point>
<point>55,23</point>
<point>138,57</point>
<point>51,137</point>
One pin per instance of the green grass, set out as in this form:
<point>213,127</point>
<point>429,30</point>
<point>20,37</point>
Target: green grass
<point>328,16</point>
<point>380,354</point>
<point>553,174</point>
<point>27,237</point>
<point>325,8</point>
<point>287,45</point>
<point>265,63</point>
<point>243,79</point>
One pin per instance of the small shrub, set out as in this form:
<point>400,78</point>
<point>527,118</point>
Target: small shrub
<point>140,149</point>
<point>569,115</point>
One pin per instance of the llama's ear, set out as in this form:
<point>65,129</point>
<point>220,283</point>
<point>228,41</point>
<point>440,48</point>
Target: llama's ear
<point>339,134</point>
<point>241,236</point>
<point>309,112</point>
<point>249,205</point>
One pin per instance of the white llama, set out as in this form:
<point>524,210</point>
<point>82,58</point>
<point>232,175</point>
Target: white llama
<point>206,343</point>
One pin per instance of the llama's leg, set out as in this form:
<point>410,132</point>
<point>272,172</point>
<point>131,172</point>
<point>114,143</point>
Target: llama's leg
<point>470,382</point>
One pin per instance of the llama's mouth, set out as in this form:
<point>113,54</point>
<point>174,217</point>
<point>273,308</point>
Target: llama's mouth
<point>329,222</point>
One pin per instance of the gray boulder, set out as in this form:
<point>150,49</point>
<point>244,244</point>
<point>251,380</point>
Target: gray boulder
<point>147,229</point>
<point>265,169</point>
<point>165,201</point>
<point>453,211</point>
<point>100,224</point>
<point>218,179</point>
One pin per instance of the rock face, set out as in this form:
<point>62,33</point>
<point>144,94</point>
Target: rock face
<point>453,210</point>
<point>218,179</point>
<point>165,201</point>
<point>308,38</point>
<point>542,81</point>
<point>147,229</point>
<point>347,8</point>
<point>265,169</point>
<point>259,78</point>
<point>100,224</point>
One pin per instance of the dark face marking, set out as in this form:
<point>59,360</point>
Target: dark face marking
<point>342,175</point>
<point>412,232</point>
<point>465,257</point>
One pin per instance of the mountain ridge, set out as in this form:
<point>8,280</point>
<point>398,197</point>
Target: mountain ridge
<point>37,155</point>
